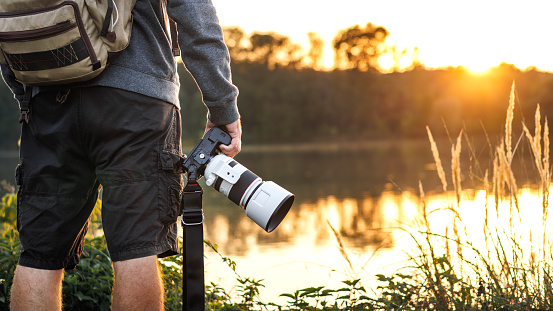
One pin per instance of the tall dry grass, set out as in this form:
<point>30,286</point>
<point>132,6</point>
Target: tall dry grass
<point>541,158</point>
<point>436,154</point>
<point>508,270</point>
<point>456,167</point>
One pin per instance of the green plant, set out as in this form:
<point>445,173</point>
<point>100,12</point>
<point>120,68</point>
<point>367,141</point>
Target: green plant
<point>318,294</point>
<point>171,271</point>
<point>248,288</point>
<point>8,210</point>
<point>88,287</point>
<point>398,291</point>
<point>354,295</point>
<point>9,254</point>
<point>216,298</point>
<point>9,246</point>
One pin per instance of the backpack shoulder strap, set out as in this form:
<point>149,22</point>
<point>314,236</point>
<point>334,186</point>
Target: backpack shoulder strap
<point>107,19</point>
<point>174,37</point>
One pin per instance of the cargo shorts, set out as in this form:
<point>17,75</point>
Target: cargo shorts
<point>85,139</point>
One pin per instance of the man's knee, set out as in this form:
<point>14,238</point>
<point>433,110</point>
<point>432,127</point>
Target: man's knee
<point>36,289</point>
<point>143,265</point>
<point>137,285</point>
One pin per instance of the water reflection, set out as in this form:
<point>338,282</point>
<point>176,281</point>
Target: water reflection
<point>370,196</point>
<point>363,223</point>
<point>379,234</point>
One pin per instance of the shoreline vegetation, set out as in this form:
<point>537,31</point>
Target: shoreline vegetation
<point>499,268</point>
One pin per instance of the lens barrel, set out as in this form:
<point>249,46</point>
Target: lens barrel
<point>266,203</point>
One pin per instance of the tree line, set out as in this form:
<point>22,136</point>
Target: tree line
<point>355,48</point>
<point>284,98</point>
<point>294,106</point>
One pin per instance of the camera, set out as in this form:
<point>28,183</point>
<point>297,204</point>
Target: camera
<point>265,202</point>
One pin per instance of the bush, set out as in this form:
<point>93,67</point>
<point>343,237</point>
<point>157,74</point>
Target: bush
<point>89,285</point>
<point>9,254</point>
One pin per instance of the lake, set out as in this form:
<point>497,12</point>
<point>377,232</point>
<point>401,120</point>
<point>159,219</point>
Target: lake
<point>367,192</point>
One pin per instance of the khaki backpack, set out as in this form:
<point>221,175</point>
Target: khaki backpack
<point>48,42</point>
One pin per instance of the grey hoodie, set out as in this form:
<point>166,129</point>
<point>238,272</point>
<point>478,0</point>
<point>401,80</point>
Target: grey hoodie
<point>148,67</point>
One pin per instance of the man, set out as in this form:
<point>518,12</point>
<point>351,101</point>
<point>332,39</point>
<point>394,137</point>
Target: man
<point>112,131</point>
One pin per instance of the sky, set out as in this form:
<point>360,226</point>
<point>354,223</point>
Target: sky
<point>477,34</point>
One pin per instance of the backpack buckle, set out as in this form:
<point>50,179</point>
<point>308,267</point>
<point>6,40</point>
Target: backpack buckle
<point>96,65</point>
<point>25,105</point>
<point>24,116</point>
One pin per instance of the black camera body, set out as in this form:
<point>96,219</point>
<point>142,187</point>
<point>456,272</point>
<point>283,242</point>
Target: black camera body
<point>196,161</point>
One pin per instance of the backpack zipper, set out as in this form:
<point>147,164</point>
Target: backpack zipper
<point>79,22</point>
<point>29,35</point>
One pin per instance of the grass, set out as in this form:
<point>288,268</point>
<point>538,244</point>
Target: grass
<point>506,272</point>
<point>502,267</point>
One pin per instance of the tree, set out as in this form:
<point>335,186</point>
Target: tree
<point>360,48</point>
<point>271,49</point>
<point>234,37</point>
<point>315,53</point>
<point>265,46</point>
<point>274,50</point>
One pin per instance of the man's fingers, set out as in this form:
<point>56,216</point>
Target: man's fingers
<point>232,149</point>
<point>234,129</point>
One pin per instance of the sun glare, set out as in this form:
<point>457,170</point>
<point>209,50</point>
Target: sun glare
<point>478,68</point>
<point>479,62</point>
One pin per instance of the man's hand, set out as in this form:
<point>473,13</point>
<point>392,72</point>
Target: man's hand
<point>235,131</point>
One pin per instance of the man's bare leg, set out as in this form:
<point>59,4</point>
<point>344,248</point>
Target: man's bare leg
<point>36,289</point>
<point>138,285</point>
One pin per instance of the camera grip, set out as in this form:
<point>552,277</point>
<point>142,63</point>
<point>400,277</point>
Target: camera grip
<point>206,148</point>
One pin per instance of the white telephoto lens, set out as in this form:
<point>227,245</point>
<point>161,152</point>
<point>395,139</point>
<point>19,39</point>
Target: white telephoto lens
<point>266,203</point>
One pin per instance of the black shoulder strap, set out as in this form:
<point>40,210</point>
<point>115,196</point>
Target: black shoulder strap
<point>25,105</point>
<point>107,19</point>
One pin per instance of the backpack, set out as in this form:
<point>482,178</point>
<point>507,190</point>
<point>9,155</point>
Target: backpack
<point>48,42</point>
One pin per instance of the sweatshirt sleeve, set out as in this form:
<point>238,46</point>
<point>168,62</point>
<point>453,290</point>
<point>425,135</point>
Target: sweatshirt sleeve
<point>206,56</point>
<point>17,88</point>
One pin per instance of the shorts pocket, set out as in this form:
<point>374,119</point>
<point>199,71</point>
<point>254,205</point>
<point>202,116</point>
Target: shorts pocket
<point>170,171</point>
<point>170,202</point>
